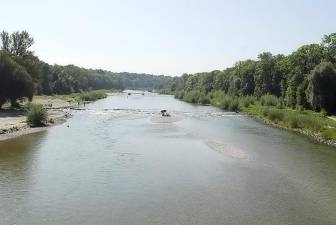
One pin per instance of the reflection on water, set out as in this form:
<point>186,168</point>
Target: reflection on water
<point>111,164</point>
<point>17,164</point>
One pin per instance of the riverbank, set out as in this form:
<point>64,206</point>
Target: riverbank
<point>319,128</point>
<point>272,111</point>
<point>13,121</point>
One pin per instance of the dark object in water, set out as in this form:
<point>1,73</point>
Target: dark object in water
<point>164,112</point>
<point>129,93</point>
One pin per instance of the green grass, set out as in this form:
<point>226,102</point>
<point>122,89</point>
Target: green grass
<point>225,102</point>
<point>92,95</point>
<point>79,96</point>
<point>305,120</point>
<point>246,101</point>
<point>270,109</point>
<point>269,100</point>
<point>196,97</point>
<point>329,134</point>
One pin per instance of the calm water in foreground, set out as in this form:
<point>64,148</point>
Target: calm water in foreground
<point>119,167</point>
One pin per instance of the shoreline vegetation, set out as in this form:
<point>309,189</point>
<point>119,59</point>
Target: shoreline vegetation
<point>51,88</point>
<point>270,110</point>
<point>24,75</point>
<point>295,91</point>
<point>47,110</point>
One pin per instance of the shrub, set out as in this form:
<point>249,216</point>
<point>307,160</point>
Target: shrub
<point>329,134</point>
<point>179,95</point>
<point>93,95</point>
<point>293,121</point>
<point>268,100</point>
<point>304,121</point>
<point>191,96</point>
<point>37,115</point>
<point>204,99</point>
<point>265,111</point>
<point>275,115</point>
<point>324,113</point>
<point>313,123</point>
<point>229,103</point>
<point>246,101</point>
<point>234,105</point>
<point>225,103</point>
<point>281,103</point>
<point>300,108</point>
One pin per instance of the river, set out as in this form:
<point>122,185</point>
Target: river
<point>113,164</point>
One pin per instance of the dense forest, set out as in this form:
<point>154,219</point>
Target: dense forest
<point>305,78</point>
<point>22,74</point>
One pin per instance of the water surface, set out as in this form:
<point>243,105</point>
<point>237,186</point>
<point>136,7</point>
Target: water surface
<point>111,164</point>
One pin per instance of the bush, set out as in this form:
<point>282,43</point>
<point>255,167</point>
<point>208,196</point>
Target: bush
<point>304,121</point>
<point>234,105</point>
<point>37,115</point>
<point>276,115</point>
<point>293,121</point>
<point>281,103</point>
<point>179,95</point>
<point>300,108</point>
<point>329,134</point>
<point>229,103</point>
<point>269,100</point>
<point>321,92</point>
<point>324,113</point>
<point>93,95</point>
<point>204,99</point>
<point>313,123</point>
<point>192,96</point>
<point>265,111</point>
<point>246,101</point>
<point>225,103</point>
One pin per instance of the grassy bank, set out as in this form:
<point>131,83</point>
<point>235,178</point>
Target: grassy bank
<point>61,101</point>
<point>270,110</point>
<point>79,96</point>
<point>45,110</point>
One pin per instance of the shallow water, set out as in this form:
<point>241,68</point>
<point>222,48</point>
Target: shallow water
<point>116,165</point>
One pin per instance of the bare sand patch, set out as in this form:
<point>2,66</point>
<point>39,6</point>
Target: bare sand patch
<point>228,150</point>
<point>165,119</point>
<point>54,103</point>
<point>13,122</point>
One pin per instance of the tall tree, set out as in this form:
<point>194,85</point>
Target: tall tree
<point>321,91</point>
<point>20,43</point>
<point>329,43</point>
<point>264,74</point>
<point>6,41</point>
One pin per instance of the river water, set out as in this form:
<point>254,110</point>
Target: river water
<point>113,164</point>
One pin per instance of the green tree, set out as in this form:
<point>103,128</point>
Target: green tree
<point>321,90</point>
<point>6,41</point>
<point>20,43</point>
<point>247,72</point>
<point>264,74</point>
<point>329,43</point>
<point>15,80</point>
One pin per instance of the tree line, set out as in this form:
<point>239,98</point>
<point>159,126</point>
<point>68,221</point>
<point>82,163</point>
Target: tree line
<point>306,78</point>
<point>22,74</point>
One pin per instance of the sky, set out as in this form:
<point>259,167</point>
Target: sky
<point>169,37</point>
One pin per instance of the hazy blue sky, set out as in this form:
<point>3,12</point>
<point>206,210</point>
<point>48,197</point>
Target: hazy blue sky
<point>166,37</point>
